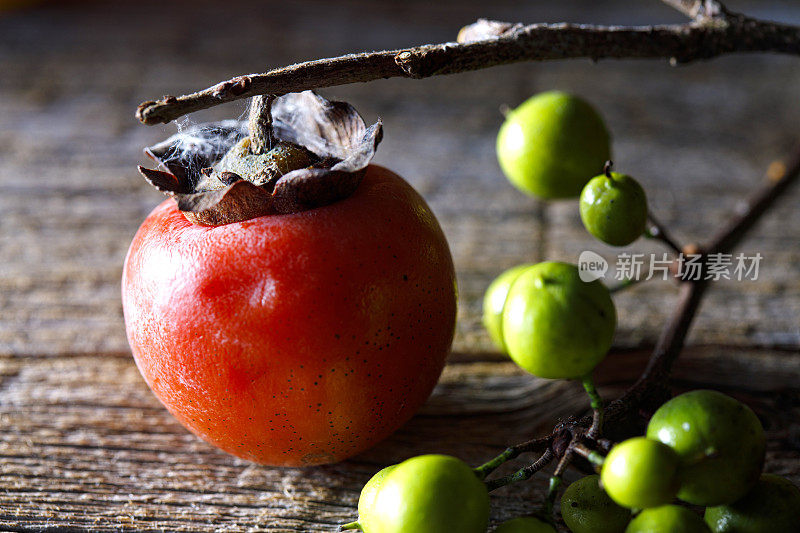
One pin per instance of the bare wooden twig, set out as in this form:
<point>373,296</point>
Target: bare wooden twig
<point>533,445</point>
<point>522,474</point>
<point>780,177</point>
<point>674,334</point>
<point>657,230</point>
<point>649,389</point>
<point>713,31</point>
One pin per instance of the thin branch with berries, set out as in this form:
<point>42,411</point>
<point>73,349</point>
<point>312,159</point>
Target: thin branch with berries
<point>626,415</point>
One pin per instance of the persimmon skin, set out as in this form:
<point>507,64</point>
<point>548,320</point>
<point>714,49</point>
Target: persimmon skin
<point>294,339</point>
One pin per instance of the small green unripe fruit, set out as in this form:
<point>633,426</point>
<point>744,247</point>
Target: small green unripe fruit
<point>772,505</point>
<point>495,299</point>
<point>370,490</point>
<point>525,524</point>
<point>556,326</point>
<point>720,442</point>
<point>613,208</point>
<point>428,494</point>
<point>668,519</point>
<point>640,473</point>
<point>586,508</point>
<point>552,144</point>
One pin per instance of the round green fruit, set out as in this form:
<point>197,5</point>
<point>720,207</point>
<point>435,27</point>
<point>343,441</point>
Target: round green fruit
<point>371,489</point>
<point>555,325</point>
<point>640,473</point>
<point>495,299</point>
<point>720,442</point>
<point>668,519</point>
<point>586,508</point>
<point>613,208</point>
<point>552,144</point>
<point>428,494</point>
<point>773,505</point>
<point>525,524</point>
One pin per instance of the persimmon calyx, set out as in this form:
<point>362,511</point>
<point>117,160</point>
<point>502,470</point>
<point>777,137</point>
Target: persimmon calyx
<point>320,153</point>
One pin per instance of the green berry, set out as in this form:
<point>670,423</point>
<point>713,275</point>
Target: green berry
<point>720,442</point>
<point>525,524</point>
<point>370,490</point>
<point>428,494</point>
<point>555,325</point>
<point>495,299</point>
<point>613,208</point>
<point>771,506</point>
<point>552,144</point>
<point>668,519</point>
<point>586,508</point>
<point>640,473</point>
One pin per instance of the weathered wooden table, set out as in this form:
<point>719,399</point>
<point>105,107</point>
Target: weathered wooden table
<point>83,442</point>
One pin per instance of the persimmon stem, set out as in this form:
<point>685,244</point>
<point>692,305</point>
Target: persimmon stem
<point>260,124</point>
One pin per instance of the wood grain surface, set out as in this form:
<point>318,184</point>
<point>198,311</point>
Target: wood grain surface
<point>84,445</point>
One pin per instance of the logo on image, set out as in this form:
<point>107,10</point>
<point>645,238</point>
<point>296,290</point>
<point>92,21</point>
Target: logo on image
<point>591,266</point>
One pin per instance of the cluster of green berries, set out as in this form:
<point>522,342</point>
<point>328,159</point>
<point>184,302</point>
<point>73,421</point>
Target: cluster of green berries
<point>702,448</point>
<point>549,321</point>
<point>552,145</point>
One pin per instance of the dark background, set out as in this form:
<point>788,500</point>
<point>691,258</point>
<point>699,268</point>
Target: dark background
<point>82,441</point>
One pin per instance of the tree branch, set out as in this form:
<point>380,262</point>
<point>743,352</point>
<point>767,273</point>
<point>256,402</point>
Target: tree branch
<point>659,231</point>
<point>780,176</point>
<point>512,452</point>
<point>673,335</point>
<point>652,387</point>
<point>500,44</point>
<point>523,473</point>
